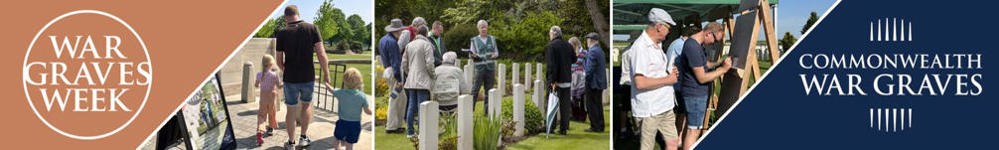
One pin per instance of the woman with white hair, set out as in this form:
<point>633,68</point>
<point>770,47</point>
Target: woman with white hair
<point>559,57</point>
<point>449,83</point>
<point>484,52</point>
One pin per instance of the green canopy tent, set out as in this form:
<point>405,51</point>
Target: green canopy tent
<point>631,15</point>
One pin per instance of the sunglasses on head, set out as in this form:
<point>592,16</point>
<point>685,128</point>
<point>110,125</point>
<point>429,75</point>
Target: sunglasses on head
<point>712,33</point>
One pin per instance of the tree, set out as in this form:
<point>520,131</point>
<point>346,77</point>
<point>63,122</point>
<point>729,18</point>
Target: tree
<point>528,37</point>
<point>468,12</point>
<point>267,31</point>
<point>520,26</point>
<point>577,19</point>
<point>457,36</point>
<point>271,26</point>
<point>347,32</point>
<point>367,37</point>
<point>358,28</point>
<point>787,41</point>
<point>328,20</point>
<point>811,21</point>
<point>600,22</point>
<point>431,10</point>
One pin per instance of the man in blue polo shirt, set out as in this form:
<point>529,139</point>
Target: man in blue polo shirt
<point>695,77</point>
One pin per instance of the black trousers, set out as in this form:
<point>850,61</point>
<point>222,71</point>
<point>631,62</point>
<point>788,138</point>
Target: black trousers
<point>595,109</point>
<point>565,109</point>
<point>484,79</point>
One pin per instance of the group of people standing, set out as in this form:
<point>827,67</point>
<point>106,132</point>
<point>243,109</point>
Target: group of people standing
<point>419,67</point>
<point>412,56</point>
<point>661,78</point>
<point>577,75</point>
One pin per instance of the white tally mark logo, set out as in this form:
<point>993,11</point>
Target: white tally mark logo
<point>890,119</point>
<point>892,29</point>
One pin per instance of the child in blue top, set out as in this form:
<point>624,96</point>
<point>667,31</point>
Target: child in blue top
<point>352,101</point>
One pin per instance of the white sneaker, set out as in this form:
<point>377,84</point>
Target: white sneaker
<point>289,146</point>
<point>304,141</point>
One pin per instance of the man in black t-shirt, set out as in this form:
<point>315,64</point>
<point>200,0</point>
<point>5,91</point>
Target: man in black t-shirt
<point>297,42</point>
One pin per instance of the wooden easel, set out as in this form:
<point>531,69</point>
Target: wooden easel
<point>752,67</point>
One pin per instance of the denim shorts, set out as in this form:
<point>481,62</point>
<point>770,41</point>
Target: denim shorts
<point>696,106</point>
<point>294,92</point>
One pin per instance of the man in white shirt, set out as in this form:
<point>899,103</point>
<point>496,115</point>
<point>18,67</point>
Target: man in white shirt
<point>652,77</point>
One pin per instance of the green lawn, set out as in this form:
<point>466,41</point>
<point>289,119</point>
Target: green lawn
<point>364,68</point>
<point>577,138</point>
<point>391,141</point>
<point>365,55</point>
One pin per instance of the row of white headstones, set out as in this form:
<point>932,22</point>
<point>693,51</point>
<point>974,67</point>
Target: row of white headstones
<point>430,115</point>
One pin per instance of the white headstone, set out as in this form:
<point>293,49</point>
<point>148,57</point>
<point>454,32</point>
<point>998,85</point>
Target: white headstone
<point>538,73</point>
<point>429,117</point>
<point>516,74</point>
<point>498,106</point>
<point>501,79</point>
<point>518,109</point>
<point>527,75</point>
<point>470,62</point>
<point>465,121</point>
<point>539,95</point>
<point>469,71</point>
<point>493,99</point>
<point>606,95</point>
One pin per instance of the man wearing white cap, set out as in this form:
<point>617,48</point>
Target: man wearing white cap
<point>652,76</point>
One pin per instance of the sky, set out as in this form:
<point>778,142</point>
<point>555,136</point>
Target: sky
<point>307,8</point>
<point>792,14</point>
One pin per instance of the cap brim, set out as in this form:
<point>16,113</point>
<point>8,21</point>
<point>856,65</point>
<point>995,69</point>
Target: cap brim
<point>391,29</point>
<point>666,22</point>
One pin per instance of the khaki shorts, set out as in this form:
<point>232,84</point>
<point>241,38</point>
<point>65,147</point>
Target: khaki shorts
<point>664,123</point>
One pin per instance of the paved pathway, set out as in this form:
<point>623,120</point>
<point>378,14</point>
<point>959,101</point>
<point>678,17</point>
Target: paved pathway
<point>244,117</point>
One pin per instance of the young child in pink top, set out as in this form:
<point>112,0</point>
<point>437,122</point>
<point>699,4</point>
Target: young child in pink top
<point>269,82</point>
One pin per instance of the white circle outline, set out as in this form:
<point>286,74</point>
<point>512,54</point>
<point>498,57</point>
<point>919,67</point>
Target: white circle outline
<point>25,75</point>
